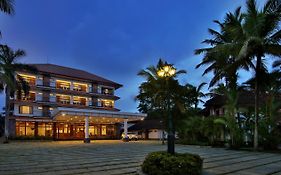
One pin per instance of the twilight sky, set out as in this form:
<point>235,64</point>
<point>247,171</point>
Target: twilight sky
<point>115,38</point>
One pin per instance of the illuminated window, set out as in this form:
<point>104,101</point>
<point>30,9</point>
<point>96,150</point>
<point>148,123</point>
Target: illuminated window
<point>108,103</point>
<point>41,129</point>
<point>20,128</point>
<point>29,97</point>
<point>63,84</point>
<point>103,130</point>
<point>64,99</point>
<point>30,128</point>
<point>93,130</point>
<point>79,87</point>
<point>25,110</point>
<point>40,108</point>
<point>79,100</point>
<point>28,78</point>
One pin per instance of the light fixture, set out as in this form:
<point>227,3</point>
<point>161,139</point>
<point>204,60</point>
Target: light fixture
<point>166,71</point>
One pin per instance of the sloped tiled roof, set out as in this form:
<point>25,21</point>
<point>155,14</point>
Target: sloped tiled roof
<point>75,73</point>
<point>146,124</point>
<point>245,99</point>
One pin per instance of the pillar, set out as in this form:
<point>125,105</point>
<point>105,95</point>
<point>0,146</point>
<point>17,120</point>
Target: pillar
<point>54,131</point>
<point>87,138</point>
<point>126,138</point>
<point>36,129</point>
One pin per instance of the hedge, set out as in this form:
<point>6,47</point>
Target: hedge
<point>163,163</point>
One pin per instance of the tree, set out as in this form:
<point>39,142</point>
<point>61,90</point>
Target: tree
<point>251,38</point>
<point>270,89</point>
<point>10,81</point>
<point>7,6</point>
<point>222,62</point>
<point>199,94</point>
<point>260,37</point>
<point>162,92</point>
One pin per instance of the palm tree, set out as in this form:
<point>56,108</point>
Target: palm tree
<point>154,84</point>
<point>163,93</point>
<point>260,37</point>
<point>199,94</point>
<point>10,81</point>
<point>253,37</point>
<point>220,61</point>
<point>7,6</point>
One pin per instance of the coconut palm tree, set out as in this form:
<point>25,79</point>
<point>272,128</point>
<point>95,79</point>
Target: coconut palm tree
<point>7,6</point>
<point>163,93</point>
<point>199,94</point>
<point>252,38</point>
<point>10,81</point>
<point>260,37</point>
<point>220,61</point>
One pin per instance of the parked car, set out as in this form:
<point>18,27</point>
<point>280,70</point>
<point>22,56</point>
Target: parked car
<point>131,136</point>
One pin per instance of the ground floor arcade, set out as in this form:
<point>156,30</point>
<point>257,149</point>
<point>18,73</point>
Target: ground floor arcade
<point>66,131</point>
<point>72,124</point>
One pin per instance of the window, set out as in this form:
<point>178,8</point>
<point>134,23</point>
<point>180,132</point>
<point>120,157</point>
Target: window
<point>108,103</point>
<point>25,110</point>
<point>64,99</point>
<point>93,130</point>
<point>30,128</point>
<point>63,84</point>
<point>20,128</point>
<point>28,78</point>
<point>103,130</point>
<point>79,100</point>
<point>41,129</point>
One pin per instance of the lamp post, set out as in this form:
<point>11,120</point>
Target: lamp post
<point>167,72</point>
<point>162,138</point>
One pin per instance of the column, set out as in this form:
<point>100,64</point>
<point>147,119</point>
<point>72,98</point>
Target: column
<point>87,138</point>
<point>71,86</point>
<point>126,138</point>
<point>71,100</point>
<point>54,131</point>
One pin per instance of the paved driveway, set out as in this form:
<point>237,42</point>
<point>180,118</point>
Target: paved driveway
<point>116,157</point>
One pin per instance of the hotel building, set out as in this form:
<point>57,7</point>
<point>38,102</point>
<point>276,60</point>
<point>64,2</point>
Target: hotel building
<point>66,103</point>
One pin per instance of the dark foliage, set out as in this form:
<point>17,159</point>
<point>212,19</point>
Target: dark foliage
<point>163,163</point>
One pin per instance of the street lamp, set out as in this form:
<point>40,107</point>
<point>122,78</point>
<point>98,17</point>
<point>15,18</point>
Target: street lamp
<point>168,71</point>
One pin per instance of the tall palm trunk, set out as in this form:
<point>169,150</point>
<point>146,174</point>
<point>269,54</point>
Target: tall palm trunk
<point>7,113</point>
<point>257,92</point>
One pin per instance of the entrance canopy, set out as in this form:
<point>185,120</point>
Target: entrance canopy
<point>96,116</point>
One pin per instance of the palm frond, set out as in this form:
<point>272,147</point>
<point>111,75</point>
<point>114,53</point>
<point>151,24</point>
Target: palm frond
<point>7,6</point>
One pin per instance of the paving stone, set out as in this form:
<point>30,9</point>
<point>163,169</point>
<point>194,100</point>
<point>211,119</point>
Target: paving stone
<point>117,157</point>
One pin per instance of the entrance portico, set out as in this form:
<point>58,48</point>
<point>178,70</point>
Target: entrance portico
<point>96,123</point>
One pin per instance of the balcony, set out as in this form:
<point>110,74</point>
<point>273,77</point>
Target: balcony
<point>65,85</point>
<point>80,87</point>
<point>30,97</point>
<point>63,99</point>
<point>31,80</point>
<point>107,103</point>
<point>107,91</point>
<point>79,101</point>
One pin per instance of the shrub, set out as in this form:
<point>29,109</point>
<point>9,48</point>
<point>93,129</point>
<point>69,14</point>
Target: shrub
<point>163,163</point>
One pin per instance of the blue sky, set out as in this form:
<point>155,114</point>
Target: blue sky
<point>115,38</point>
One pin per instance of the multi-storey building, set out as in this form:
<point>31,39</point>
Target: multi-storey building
<point>67,103</point>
